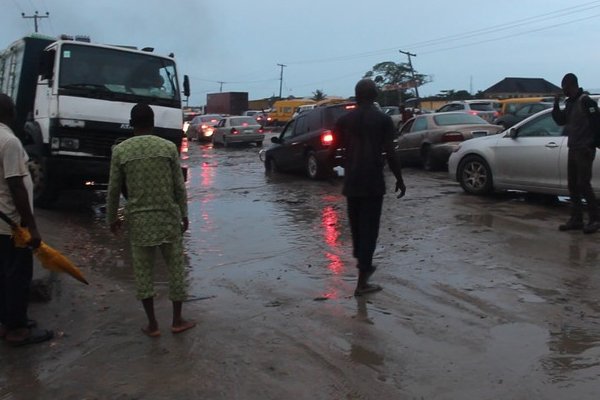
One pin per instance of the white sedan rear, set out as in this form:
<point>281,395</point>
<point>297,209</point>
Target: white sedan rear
<point>232,130</point>
<point>531,157</point>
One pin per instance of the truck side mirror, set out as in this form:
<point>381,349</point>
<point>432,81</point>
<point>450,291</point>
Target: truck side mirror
<point>47,65</point>
<point>186,86</point>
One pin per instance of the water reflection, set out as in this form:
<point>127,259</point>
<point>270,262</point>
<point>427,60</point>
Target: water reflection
<point>573,349</point>
<point>330,223</point>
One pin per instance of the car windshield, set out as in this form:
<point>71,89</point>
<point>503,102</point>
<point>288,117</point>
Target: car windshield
<point>482,106</point>
<point>242,121</point>
<point>458,119</point>
<point>96,71</point>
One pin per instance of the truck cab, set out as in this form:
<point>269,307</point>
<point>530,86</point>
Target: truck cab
<point>78,106</point>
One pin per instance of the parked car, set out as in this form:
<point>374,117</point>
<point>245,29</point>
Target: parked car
<point>187,118</point>
<point>202,126</point>
<point>232,130</point>
<point>394,113</point>
<point>263,118</point>
<point>531,157</point>
<point>304,108</point>
<point>429,139</point>
<point>306,143</point>
<point>251,113</point>
<point>510,106</point>
<point>525,110</point>
<point>482,108</point>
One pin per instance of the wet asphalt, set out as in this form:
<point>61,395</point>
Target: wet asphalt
<point>483,298</point>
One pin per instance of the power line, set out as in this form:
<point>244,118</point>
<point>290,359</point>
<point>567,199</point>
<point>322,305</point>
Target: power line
<point>489,30</point>
<point>512,35</point>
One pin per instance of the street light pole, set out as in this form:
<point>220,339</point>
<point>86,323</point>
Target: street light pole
<point>412,71</point>
<point>35,18</point>
<point>281,78</point>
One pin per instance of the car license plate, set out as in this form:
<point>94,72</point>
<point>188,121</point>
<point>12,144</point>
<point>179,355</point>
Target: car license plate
<point>249,131</point>
<point>479,133</point>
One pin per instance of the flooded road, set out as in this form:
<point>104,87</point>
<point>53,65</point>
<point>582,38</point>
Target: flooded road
<point>483,298</point>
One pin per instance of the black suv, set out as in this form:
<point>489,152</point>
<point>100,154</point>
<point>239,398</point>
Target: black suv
<point>306,143</point>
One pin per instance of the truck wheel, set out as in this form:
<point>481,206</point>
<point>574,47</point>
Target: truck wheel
<point>314,169</point>
<point>44,193</point>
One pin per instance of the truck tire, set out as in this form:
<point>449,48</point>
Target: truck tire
<point>44,192</point>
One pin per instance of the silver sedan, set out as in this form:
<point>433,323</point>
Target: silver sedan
<point>531,157</point>
<point>231,130</point>
<point>429,139</point>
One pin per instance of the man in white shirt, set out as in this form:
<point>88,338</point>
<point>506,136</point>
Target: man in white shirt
<point>16,264</point>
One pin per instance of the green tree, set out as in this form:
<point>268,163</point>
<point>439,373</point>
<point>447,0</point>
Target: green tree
<point>318,95</point>
<point>395,80</point>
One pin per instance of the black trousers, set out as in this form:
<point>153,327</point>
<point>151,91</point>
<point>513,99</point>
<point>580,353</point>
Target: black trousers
<point>580,183</point>
<point>16,272</point>
<point>364,214</point>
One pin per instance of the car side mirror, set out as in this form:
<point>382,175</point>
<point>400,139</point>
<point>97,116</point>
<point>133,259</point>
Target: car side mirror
<point>513,133</point>
<point>275,140</point>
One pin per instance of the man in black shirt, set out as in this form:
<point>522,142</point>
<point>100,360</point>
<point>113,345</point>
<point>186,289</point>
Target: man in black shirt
<point>577,117</point>
<point>365,134</point>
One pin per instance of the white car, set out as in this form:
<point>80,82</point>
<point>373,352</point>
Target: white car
<point>231,130</point>
<point>531,157</point>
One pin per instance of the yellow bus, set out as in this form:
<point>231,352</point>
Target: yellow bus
<point>283,110</point>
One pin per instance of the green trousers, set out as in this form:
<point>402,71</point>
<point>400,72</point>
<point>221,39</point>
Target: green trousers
<point>143,266</point>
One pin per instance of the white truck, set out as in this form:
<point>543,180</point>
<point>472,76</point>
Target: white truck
<point>73,99</point>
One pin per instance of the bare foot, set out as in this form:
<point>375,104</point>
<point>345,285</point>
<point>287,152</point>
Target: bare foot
<point>150,332</point>
<point>182,326</point>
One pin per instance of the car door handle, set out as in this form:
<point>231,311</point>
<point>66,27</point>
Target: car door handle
<point>552,145</point>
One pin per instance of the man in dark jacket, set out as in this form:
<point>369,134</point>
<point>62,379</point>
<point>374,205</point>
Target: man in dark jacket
<point>578,119</point>
<point>365,134</point>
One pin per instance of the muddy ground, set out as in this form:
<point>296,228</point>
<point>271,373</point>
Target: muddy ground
<point>483,298</point>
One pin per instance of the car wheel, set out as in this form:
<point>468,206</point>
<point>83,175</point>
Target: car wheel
<point>475,176</point>
<point>427,160</point>
<point>270,165</point>
<point>314,169</point>
<point>225,144</point>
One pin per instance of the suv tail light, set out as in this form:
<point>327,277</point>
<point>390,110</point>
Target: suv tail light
<point>327,138</point>
<point>234,131</point>
<point>452,137</point>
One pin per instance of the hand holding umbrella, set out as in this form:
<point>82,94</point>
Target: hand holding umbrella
<point>50,258</point>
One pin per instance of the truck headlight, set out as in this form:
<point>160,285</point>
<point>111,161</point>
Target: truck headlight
<point>69,144</point>
<point>58,143</point>
<point>72,123</point>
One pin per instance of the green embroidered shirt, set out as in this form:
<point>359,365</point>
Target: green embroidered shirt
<point>148,168</point>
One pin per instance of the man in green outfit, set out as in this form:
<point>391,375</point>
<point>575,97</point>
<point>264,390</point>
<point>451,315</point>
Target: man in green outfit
<point>148,168</point>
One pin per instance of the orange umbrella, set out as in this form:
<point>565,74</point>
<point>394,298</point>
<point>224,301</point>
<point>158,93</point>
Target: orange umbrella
<point>50,258</point>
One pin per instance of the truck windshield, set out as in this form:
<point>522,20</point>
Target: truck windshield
<point>90,71</point>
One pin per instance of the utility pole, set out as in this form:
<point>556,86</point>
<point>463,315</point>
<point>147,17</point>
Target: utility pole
<point>412,71</point>
<point>281,78</point>
<point>35,18</point>
<point>221,87</point>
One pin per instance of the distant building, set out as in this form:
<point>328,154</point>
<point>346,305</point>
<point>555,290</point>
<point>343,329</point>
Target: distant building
<point>521,87</point>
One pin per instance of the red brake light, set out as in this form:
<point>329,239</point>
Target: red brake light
<point>452,137</point>
<point>261,130</point>
<point>327,138</point>
<point>234,131</point>
<point>473,112</point>
<point>350,106</point>
<point>204,126</point>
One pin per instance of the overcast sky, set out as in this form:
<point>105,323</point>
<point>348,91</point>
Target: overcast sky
<point>330,44</point>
